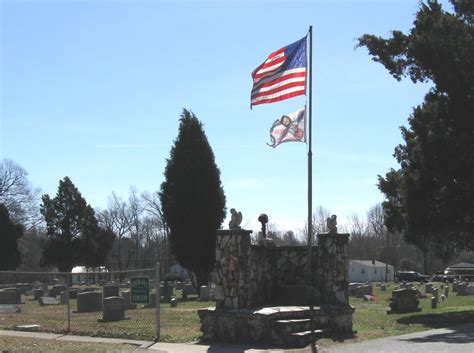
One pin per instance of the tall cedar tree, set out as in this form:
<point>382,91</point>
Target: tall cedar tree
<point>74,236</point>
<point>430,197</point>
<point>10,233</point>
<point>192,198</point>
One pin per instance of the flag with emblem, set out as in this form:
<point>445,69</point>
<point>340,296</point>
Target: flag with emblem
<point>288,128</point>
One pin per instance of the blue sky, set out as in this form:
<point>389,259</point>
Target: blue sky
<point>94,89</point>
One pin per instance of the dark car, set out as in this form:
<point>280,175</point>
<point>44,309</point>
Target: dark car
<point>442,278</point>
<point>411,276</point>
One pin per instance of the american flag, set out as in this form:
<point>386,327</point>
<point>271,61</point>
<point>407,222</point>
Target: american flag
<point>281,76</point>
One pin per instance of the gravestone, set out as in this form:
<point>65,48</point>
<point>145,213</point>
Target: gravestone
<point>37,293</point>
<point>189,289</point>
<point>10,296</point>
<point>152,303</point>
<point>173,303</point>
<point>88,289</point>
<point>63,298</point>
<point>9,309</point>
<point>428,287</point>
<point>89,302</point>
<point>446,291</point>
<point>365,289</point>
<point>127,303</point>
<point>403,301</point>
<point>383,287</point>
<point>435,292</point>
<point>353,287</point>
<point>73,293</point>
<point>470,290</point>
<point>110,290</point>
<point>434,302</point>
<point>204,295</point>
<point>56,289</point>
<point>166,292</point>
<point>48,301</point>
<point>462,288</point>
<point>44,286</point>
<point>113,309</point>
<point>179,285</point>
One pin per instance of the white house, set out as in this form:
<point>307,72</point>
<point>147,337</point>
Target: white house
<point>81,274</point>
<point>369,271</point>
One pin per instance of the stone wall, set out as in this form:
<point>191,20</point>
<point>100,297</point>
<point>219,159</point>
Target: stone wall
<point>249,275</point>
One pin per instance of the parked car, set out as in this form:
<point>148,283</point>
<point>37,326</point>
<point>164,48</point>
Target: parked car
<point>411,276</point>
<point>442,278</point>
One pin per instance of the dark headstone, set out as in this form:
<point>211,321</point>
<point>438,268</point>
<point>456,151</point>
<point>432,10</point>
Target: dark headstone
<point>89,302</point>
<point>404,301</point>
<point>152,303</point>
<point>56,289</point>
<point>37,293</point>
<point>126,295</point>
<point>173,303</point>
<point>110,290</point>
<point>10,296</point>
<point>113,309</point>
<point>73,293</point>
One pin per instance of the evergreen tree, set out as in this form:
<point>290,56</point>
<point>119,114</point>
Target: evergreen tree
<point>430,197</point>
<point>74,236</point>
<point>10,233</point>
<point>192,198</point>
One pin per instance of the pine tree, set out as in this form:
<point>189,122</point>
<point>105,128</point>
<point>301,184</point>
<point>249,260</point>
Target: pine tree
<point>192,198</point>
<point>430,196</point>
<point>10,233</point>
<point>74,236</point>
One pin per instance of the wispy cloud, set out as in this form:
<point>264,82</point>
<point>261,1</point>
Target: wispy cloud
<point>127,146</point>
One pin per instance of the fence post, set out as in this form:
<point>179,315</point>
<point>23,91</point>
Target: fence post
<point>68,282</point>
<point>158,295</point>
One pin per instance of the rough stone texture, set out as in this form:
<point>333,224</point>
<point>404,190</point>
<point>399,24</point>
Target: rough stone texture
<point>110,290</point>
<point>113,309</point>
<point>251,275</point>
<point>89,302</point>
<point>248,276</point>
<point>272,325</point>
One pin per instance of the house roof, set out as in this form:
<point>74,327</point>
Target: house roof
<point>370,263</point>
<point>462,265</point>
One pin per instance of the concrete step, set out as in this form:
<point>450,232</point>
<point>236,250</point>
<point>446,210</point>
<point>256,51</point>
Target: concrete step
<point>304,338</point>
<point>293,325</point>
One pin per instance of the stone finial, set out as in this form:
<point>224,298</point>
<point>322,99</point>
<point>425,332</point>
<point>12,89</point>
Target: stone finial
<point>332,224</point>
<point>235,219</point>
<point>263,218</point>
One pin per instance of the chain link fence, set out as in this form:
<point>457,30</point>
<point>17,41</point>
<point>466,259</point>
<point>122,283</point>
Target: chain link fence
<point>81,303</point>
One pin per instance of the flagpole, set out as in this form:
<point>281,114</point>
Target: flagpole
<point>310,158</point>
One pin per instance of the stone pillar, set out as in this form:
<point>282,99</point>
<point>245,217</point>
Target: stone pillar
<point>332,267</point>
<point>232,256</point>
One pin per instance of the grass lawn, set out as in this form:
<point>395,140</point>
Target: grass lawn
<point>372,321</point>
<point>182,324</point>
